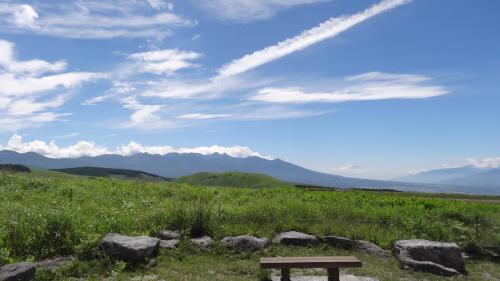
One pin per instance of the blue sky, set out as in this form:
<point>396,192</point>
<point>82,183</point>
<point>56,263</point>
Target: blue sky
<point>368,88</point>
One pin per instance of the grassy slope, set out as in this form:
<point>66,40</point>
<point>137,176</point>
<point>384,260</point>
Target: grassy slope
<point>232,179</point>
<point>46,214</point>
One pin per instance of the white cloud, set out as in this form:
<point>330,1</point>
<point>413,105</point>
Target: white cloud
<point>143,114</point>
<point>352,168</point>
<point>164,61</point>
<point>160,5</point>
<point>82,148</point>
<point>92,19</point>
<point>18,86</point>
<point>202,116</point>
<point>67,136</point>
<point>249,10</point>
<point>86,148</point>
<point>25,15</point>
<point>492,162</point>
<point>325,30</point>
<point>29,94</point>
<point>9,62</point>
<point>24,107</point>
<point>365,87</point>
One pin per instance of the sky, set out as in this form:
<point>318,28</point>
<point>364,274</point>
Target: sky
<point>366,88</point>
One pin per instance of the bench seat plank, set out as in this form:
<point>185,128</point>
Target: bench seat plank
<point>310,262</point>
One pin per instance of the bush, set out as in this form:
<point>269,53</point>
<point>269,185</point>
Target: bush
<point>201,220</point>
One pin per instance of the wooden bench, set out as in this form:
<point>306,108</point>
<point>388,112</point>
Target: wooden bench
<point>332,264</point>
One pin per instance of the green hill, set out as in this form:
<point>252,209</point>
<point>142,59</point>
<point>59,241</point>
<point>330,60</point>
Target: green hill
<point>232,179</point>
<point>109,172</point>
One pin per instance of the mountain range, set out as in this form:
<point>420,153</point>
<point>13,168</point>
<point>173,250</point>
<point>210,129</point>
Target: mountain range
<point>174,165</point>
<point>468,175</point>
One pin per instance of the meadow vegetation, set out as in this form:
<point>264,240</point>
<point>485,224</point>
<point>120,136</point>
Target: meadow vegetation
<point>233,179</point>
<point>46,214</point>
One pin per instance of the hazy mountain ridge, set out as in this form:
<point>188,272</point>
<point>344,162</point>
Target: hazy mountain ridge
<point>175,165</point>
<point>468,175</point>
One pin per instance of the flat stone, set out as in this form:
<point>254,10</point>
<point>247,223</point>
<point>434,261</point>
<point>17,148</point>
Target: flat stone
<point>436,257</point>
<point>55,262</point>
<point>204,242</point>
<point>371,248</point>
<point>245,243</point>
<point>128,248</point>
<point>169,244</point>
<point>339,242</point>
<point>147,278</point>
<point>296,238</point>
<point>168,235</point>
<point>23,271</point>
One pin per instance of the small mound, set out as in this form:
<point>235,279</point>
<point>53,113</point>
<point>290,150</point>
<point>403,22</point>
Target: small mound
<point>14,168</point>
<point>232,179</point>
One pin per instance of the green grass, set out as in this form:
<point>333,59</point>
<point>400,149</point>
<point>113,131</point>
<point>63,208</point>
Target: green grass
<point>232,179</point>
<point>44,214</point>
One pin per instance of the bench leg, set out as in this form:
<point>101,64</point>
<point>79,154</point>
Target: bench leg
<point>285,274</point>
<point>333,274</point>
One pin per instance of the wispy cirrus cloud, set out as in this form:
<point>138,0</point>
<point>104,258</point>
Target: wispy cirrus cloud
<point>30,93</point>
<point>364,87</point>
<point>92,19</point>
<point>90,148</point>
<point>233,78</point>
<point>202,116</point>
<point>167,61</point>
<point>249,10</point>
<point>224,81</point>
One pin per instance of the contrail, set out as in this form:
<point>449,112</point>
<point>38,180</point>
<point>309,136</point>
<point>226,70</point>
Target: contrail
<point>323,31</point>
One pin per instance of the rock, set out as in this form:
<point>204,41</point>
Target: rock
<point>435,257</point>
<point>130,249</point>
<point>169,244</point>
<point>371,248</point>
<point>204,242</point>
<point>296,238</point>
<point>168,235</point>
<point>339,242</point>
<point>147,278</point>
<point>22,271</point>
<point>245,243</point>
<point>55,262</point>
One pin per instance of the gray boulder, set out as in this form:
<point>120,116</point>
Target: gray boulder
<point>436,257</point>
<point>169,244</point>
<point>23,271</point>
<point>339,242</point>
<point>245,243</point>
<point>168,235</point>
<point>371,249</point>
<point>296,238</point>
<point>204,242</point>
<point>130,249</point>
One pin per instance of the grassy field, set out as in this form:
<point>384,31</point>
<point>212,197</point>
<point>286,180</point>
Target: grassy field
<point>233,179</point>
<point>45,214</point>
